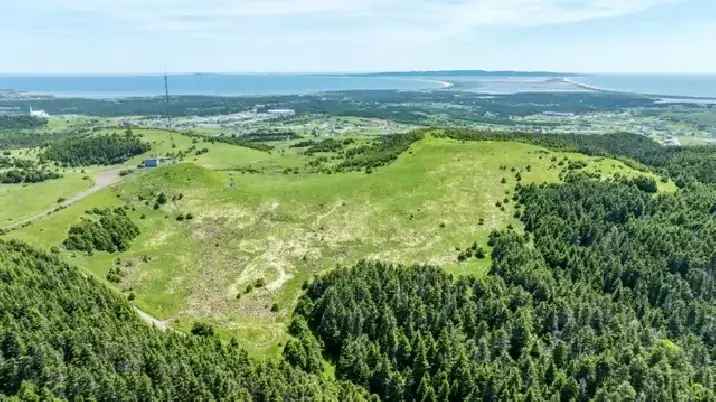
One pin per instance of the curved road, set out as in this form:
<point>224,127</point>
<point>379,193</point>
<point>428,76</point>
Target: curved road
<point>103,180</point>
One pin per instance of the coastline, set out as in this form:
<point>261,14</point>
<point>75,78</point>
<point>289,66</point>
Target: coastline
<point>586,86</point>
<point>446,84</point>
<point>662,98</point>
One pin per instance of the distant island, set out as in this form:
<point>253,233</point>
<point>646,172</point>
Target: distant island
<point>469,73</point>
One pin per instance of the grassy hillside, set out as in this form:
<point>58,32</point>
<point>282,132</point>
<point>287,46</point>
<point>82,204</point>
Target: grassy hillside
<point>255,238</point>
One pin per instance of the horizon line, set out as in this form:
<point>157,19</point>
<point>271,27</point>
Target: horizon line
<point>339,72</point>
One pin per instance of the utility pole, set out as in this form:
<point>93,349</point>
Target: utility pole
<point>166,101</point>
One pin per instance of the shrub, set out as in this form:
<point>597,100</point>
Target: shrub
<point>202,329</point>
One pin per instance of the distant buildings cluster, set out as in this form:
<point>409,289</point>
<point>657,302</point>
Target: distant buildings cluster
<point>281,112</point>
<point>275,113</point>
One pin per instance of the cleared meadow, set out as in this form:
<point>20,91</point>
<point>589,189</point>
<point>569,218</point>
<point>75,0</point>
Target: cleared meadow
<point>255,238</point>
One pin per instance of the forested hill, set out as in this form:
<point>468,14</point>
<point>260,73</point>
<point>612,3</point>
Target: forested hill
<point>606,292</point>
<point>609,296</point>
<point>95,150</point>
<point>64,335</point>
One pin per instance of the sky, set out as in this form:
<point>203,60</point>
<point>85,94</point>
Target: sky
<point>150,36</point>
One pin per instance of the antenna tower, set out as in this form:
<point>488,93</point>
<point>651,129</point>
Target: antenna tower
<point>166,100</point>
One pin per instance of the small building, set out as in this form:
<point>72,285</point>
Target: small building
<point>672,142</point>
<point>151,163</point>
<point>39,113</point>
<point>557,114</point>
<point>282,112</point>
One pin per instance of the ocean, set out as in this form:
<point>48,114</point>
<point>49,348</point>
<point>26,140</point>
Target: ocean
<point>120,86</point>
<point>667,85</point>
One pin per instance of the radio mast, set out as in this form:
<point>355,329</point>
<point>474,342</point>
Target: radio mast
<point>166,101</point>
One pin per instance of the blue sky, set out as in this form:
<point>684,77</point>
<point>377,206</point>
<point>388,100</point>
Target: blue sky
<point>128,36</point>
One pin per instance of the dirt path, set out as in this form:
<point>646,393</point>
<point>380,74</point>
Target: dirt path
<point>103,180</point>
<point>150,320</point>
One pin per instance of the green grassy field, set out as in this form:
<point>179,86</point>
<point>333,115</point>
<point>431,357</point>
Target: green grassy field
<point>282,229</point>
<point>22,201</point>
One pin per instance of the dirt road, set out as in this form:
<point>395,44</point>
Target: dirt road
<point>150,320</point>
<point>103,180</point>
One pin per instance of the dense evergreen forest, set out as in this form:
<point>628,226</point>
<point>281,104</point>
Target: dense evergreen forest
<point>95,150</point>
<point>64,335</point>
<point>609,295</point>
<point>21,122</point>
<point>11,139</point>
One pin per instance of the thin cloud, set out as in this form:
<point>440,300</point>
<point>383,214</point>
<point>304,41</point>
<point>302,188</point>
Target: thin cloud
<point>458,14</point>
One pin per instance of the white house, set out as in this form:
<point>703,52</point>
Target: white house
<point>39,113</point>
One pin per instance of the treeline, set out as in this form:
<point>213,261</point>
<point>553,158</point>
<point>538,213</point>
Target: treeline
<point>325,146</point>
<point>95,150</point>
<point>382,152</point>
<point>345,155</point>
<point>27,175</point>
<point>269,136</point>
<point>30,138</point>
<point>412,107</point>
<point>17,170</point>
<point>234,140</point>
<point>609,295</point>
<point>63,335</point>
<point>21,122</point>
<point>106,229</point>
<point>682,164</point>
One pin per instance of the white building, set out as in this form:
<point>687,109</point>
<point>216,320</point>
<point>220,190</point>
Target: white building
<point>281,112</point>
<point>39,113</point>
<point>672,142</point>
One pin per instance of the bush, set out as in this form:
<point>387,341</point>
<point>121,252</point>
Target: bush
<point>645,184</point>
<point>107,230</point>
<point>202,329</point>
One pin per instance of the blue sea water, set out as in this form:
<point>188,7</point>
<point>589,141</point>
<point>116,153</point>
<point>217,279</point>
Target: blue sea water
<point>668,85</point>
<point>120,86</point>
<point>662,85</point>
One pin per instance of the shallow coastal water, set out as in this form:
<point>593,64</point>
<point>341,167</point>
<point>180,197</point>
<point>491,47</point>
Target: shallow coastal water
<point>118,86</point>
<point>669,85</point>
